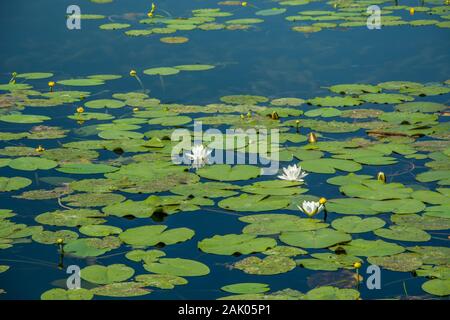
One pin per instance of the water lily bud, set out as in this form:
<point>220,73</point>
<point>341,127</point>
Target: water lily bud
<point>312,138</point>
<point>411,11</point>
<point>133,73</point>
<point>80,109</point>
<point>249,114</point>
<point>244,4</point>
<point>51,84</point>
<point>381,177</point>
<point>135,109</point>
<point>357,265</point>
<point>40,149</point>
<point>242,116</point>
<point>322,200</point>
<point>274,116</point>
<point>60,241</point>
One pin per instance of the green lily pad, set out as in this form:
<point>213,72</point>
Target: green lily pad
<point>354,88</point>
<point>332,293</point>
<point>315,239</point>
<point>91,247</point>
<point>335,101</point>
<point>376,190</point>
<point>437,287</point>
<point>94,230</point>
<point>71,218</point>
<point>432,254</point>
<point>104,103</point>
<point>106,274</point>
<point>194,67</point>
<point>81,82</point>
<point>14,183</point>
<point>403,233</point>
<point>23,118</point>
<point>163,71</point>
<point>121,290</point>
<point>246,287</point>
<point>178,267</point>
<point>236,243</point>
<point>86,168</point>
<point>114,26</point>
<point>357,225</point>
<point>62,294</point>
<point>51,237</point>
<point>270,265</point>
<point>160,281</point>
<point>225,172</point>
<point>254,203</point>
<point>268,224</point>
<point>32,164</point>
<point>330,165</point>
<point>370,248</point>
<point>403,206</point>
<point>146,256</point>
<point>402,262</point>
<point>152,235</point>
<point>421,222</point>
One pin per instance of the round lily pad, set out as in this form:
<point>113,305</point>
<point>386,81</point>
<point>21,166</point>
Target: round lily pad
<point>106,274</point>
<point>316,239</point>
<point>178,267</point>
<point>357,224</point>
<point>236,243</point>
<point>247,287</point>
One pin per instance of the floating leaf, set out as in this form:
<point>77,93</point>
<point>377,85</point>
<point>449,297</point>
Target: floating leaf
<point>316,239</point>
<point>247,287</point>
<point>178,267</point>
<point>270,265</point>
<point>61,294</point>
<point>14,183</point>
<point>152,235</point>
<point>235,243</point>
<point>437,287</point>
<point>357,225</point>
<point>121,290</point>
<point>403,262</point>
<point>106,274</point>
<point>330,165</point>
<point>370,248</point>
<point>254,203</point>
<point>161,281</point>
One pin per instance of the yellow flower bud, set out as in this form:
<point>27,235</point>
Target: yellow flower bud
<point>322,200</point>
<point>312,138</point>
<point>80,109</point>
<point>133,73</point>
<point>275,116</point>
<point>244,4</point>
<point>411,11</point>
<point>60,241</point>
<point>51,84</point>
<point>357,265</point>
<point>40,149</point>
<point>381,177</point>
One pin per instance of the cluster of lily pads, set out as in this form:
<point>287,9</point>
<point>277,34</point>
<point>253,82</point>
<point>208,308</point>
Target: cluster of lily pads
<point>116,164</point>
<point>244,15</point>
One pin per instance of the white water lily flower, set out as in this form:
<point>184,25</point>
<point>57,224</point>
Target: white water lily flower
<point>311,208</point>
<point>199,156</point>
<point>293,173</point>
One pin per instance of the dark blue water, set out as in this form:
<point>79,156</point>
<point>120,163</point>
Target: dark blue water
<point>268,60</point>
